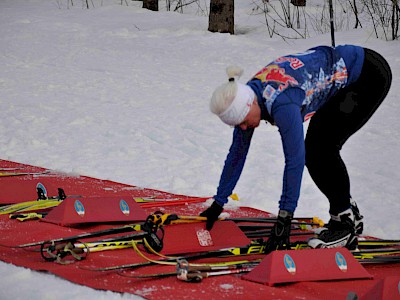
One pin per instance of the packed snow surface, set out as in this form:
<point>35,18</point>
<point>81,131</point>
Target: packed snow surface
<point>121,93</point>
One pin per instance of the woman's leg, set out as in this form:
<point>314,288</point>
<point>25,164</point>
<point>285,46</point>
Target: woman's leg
<point>333,124</point>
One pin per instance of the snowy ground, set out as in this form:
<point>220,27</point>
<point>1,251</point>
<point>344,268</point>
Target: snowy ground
<point>122,93</point>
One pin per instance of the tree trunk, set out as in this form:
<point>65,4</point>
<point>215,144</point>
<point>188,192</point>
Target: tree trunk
<point>298,2</point>
<point>150,4</point>
<point>221,16</point>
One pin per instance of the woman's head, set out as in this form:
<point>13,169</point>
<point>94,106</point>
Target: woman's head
<point>232,101</point>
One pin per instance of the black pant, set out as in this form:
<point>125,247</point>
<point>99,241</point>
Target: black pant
<point>344,114</point>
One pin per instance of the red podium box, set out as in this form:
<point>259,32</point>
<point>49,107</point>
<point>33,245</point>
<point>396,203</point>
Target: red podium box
<point>76,211</point>
<point>307,265</point>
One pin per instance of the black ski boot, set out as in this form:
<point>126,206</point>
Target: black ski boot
<point>340,232</point>
<point>358,218</point>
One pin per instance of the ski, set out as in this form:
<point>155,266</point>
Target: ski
<point>296,221</point>
<point>380,254</point>
<point>116,243</point>
<point>361,255</point>
<point>186,270</point>
<point>30,206</point>
<point>115,230</point>
<point>173,261</point>
<point>191,272</point>
<point>195,273</point>
<point>79,251</point>
<point>11,168</point>
<point>300,220</point>
<point>252,248</point>
<point>381,259</point>
<point>148,202</point>
<point>153,223</point>
<point>373,254</point>
<point>28,216</point>
<point>156,221</point>
<point>166,219</point>
<point>104,246</point>
<point>42,201</point>
<point>365,245</point>
<point>373,242</point>
<point>123,242</point>
<point>11,174</point>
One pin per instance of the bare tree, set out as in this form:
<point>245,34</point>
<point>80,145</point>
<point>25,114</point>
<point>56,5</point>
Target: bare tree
<point>221,17</point>
<point>385,16</point>
<point>279,20</point>
<point>355,10</point>
<point>395,19</point>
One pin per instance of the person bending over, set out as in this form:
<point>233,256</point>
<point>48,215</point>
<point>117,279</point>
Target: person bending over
<point>339,89</point>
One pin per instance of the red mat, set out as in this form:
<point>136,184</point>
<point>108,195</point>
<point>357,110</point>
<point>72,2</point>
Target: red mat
<point>13,232</point>
<point>15,189</point>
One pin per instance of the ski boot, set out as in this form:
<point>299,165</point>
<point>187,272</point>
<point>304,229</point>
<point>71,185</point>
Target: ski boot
<point>358,218</point>
<point>340,232</point>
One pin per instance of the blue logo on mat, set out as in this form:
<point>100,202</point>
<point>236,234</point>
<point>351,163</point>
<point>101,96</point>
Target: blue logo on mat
<point>341,261</point>
<point>79,208</point>
<point>41,187</point>
<point>289,264</point>
<point>124,207</point>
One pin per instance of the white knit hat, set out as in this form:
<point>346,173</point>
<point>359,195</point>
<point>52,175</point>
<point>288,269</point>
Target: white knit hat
<point>240,106</point>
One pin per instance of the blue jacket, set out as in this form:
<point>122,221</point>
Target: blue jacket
<point>289,91</point>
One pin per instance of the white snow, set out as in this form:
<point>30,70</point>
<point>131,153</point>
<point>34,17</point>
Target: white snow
<point>118,92</point>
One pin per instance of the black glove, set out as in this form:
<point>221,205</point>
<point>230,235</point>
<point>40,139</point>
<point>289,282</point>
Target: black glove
<point>279,238</point>
<point>212,213</point>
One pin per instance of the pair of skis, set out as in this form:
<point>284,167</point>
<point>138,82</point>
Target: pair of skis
<point>30,210</point>
<point>42,202</point>
<point>372,250</point>
<point>151,230</point>
<point>385,251</point>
